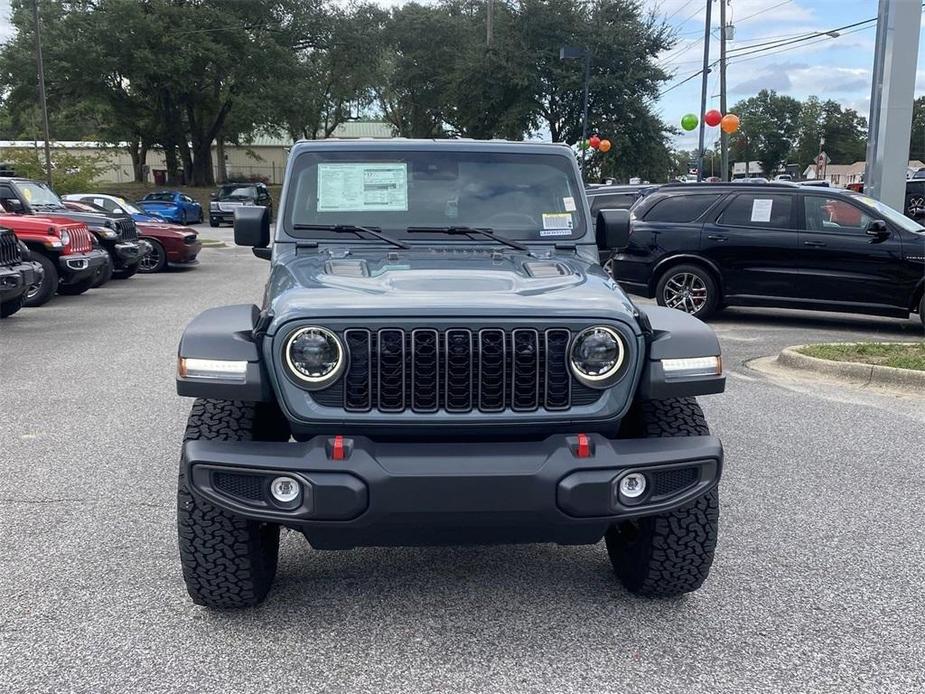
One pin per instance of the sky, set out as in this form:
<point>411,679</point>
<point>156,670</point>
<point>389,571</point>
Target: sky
<point>830,68</point>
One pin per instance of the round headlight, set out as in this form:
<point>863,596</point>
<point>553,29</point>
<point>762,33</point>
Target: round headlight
<point>65,237</point>
<point>597,355</point>
<point>315,356</point>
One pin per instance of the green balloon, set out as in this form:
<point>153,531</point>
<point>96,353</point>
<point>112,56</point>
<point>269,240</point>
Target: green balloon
<point>583,144</point>
<point>689,121</point>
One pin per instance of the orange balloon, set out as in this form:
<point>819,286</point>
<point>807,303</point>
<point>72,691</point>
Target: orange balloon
<point>604,146</point>
<point>729,123</point>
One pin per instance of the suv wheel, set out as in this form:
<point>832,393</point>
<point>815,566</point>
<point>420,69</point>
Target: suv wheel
<point>104,274</point>
<point>228,561</point>
<point>78,287</point>
<point>39,294</point>
<point>669,554</point>
<point>688,288</point>
<point>922,310</point>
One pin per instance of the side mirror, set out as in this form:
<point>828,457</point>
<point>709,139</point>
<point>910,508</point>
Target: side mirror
<point>878,229</point>
<point>251,226</point>
<point>13,205</point>
<point>213,195</point>
<point>612,229</point>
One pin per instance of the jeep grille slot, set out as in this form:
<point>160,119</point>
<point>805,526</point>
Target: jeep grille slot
<point>425,370</point>
<point>525,372</point>
<point>391,355</point>
<point>458,370</point>
<point>358,379</point>
<point>9,248</point>
<point>492,370</point>
<point>558,379</point>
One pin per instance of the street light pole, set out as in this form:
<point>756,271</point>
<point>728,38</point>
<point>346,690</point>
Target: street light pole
<point>723,137</point>
<point>584,112</point>
<point>703,88</point>
<point>40,68</point>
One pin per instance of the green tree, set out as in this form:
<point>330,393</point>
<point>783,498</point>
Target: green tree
<point>844,130</point>
<point>769,129</point>
<point>917,140</point>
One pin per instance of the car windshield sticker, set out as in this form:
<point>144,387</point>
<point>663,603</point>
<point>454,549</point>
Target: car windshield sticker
<point>569,204</point>
<point>555,232</point>
<point>363,186</point>
<point>27,194</point>
<point>761,210</point>
<point>557,221</point>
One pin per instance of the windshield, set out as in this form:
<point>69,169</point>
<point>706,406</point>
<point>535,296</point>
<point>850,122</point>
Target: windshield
<point>888,213</point>
<point>168,197</point>
<point>237,192</point>
<point>38,194</point>
<point>531,197</point>
<point>127,206</point>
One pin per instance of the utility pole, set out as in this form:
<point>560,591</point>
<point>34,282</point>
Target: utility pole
<point>723,137</point>
<point>489,29</point>
<point>703,88</point>
<point>41,73</point>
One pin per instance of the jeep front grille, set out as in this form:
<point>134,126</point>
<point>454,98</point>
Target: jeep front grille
<point>457,370</point>
<point>127,229</point>
<point>9,248</point>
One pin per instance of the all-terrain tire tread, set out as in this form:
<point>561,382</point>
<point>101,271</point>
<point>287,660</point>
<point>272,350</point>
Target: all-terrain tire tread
<point>228,561</point>
<point>671,553</point>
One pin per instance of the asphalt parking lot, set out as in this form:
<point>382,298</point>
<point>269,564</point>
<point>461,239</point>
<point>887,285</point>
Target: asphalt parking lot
<point>817,585</point>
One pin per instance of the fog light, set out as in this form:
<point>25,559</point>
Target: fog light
<point>633,485</point>
<point>285,490</point>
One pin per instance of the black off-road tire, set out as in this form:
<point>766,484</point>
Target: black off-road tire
<point>669,554</point>
<point>79,287</point>
<point>49,281</point>
<point>228,561</point>
<point>712,301</point>
<point>922,310</point>
<point>126,272</point>
<point>105,273</point>
<point>8,308</point>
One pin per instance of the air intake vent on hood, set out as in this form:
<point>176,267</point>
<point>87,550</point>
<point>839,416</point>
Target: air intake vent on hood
<point>347,268</point>
<point>546,269</point>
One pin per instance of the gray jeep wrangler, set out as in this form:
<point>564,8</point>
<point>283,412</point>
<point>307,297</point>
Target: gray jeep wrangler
<point>439,358</point>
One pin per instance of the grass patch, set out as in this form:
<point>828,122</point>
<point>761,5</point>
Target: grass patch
<point>906,355</point>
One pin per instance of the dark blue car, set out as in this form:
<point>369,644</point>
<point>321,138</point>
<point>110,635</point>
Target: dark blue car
<point>172,206</point>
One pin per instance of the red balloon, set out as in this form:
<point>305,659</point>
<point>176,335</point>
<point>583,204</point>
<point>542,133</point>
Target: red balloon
<point>712,118</point>
<point>595,141</point>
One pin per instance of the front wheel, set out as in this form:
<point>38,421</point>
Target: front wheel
<point>228,561</point>
<point>922,310</point>
<point>78,287</point>
<point>104,274</point>
<point>688,288</point>
<point>126,272</point>
<point>41,293</point>
<point>668,554</point>
<point>155,261</point>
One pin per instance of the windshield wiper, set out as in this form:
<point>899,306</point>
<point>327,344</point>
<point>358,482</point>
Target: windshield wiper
<point>468,231</point>
<point>350,229</point>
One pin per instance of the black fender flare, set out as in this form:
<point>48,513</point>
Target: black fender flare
<point>677,335</point>
<point>225,333</point>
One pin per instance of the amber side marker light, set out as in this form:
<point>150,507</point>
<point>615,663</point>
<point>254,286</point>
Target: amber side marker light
<point>215,369</point>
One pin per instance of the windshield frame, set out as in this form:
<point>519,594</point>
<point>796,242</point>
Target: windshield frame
<point>307,154</point>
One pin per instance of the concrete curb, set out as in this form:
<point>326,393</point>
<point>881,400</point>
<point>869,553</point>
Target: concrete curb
<point>854,373</point>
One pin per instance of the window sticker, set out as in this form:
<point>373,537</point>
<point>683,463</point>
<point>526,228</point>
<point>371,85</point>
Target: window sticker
<point>557,220</point>
<point>357,187</point>
<point>569,204</point>
<point>27,194</point>
<point>761,210</point>
<point>555,232</point>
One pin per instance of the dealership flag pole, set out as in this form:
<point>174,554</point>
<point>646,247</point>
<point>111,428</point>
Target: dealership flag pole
<point>41,72</point>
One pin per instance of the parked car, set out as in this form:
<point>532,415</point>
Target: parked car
<point>172,206</point>
<point>230,196</point>
<point>18,272</point>
<point>125,257</point>
<point>165,244</point>
<point>64,249</point>
<point>115,205</point>
<point>116,233</point>
<point>616,197</point>
<point>443,361</point>
<point>700,248</point>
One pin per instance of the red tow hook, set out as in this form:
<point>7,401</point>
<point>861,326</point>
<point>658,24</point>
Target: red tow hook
<point>583,449</point>
<point>338,451</point>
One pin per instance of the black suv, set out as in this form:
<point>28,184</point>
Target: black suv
<point>17,273</point>
<point>230,196</point>
<point>699,248</point>
<point>440,359</point>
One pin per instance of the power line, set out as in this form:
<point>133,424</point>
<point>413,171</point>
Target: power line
<point>748,50</point>
<point>769,51</point>
<point>760,12</point>
<point>680,9</point>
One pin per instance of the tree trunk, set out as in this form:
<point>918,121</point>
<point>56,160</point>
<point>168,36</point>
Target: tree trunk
<point>173,165</point>
<point>141,170</point>
<point>201,169</point>
<point>220,155</point>
<point>134,151</point>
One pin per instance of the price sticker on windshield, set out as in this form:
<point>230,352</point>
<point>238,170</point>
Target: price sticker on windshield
<point>557,224</point>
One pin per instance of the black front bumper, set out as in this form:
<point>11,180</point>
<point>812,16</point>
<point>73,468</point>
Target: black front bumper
<point>453,493</point>
<point>221,217</point>
<point>78,266</point>
<point>16,279</point>
<point>125,254</point>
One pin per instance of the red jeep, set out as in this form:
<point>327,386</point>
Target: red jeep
<point>64,249</point>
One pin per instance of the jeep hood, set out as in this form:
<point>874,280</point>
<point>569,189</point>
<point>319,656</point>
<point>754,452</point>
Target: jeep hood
<point>444,281</point>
